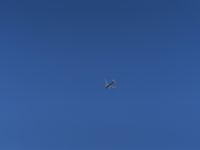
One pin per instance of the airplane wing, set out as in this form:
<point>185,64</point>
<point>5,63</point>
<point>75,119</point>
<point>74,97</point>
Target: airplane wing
<point>105,81</point>
<point>114,87</point>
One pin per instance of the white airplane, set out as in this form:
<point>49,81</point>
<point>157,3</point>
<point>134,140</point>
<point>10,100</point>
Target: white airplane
<point>109,85</point>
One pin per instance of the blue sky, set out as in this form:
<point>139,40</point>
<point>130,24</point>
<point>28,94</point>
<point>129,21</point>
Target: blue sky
<point>55,55</point>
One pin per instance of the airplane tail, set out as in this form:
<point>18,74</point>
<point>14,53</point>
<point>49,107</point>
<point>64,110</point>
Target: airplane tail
<point>114,81</point>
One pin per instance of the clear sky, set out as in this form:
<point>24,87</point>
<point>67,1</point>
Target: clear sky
<point>55,55</point>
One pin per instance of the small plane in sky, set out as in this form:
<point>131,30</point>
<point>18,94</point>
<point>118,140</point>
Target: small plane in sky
<point>109,85</point>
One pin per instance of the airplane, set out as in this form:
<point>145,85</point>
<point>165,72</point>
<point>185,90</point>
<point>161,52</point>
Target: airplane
<point>109,85</point>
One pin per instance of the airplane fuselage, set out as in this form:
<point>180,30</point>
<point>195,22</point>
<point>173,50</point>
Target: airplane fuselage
<point>109,84</point>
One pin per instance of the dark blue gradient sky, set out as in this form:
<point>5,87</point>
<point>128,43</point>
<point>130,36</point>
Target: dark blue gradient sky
<point>55,55</point>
